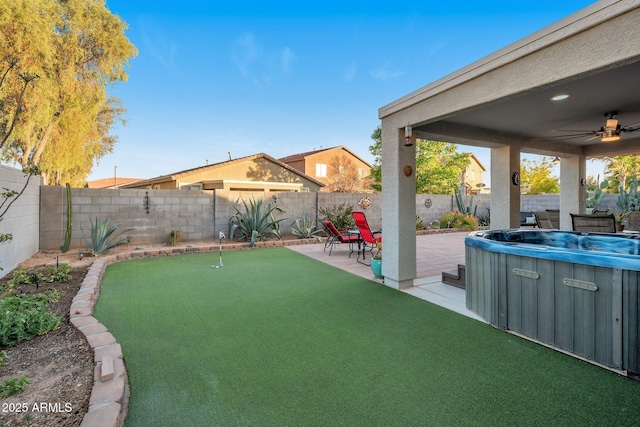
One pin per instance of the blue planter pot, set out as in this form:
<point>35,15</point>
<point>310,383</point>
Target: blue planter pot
<point>376,267</point>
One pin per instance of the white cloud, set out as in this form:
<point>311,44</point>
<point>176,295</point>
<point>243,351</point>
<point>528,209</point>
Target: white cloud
<point>350,71</point>
<point>158,47</point>
<point>259,65</point>
<point>385,72</point>
<point>245,53</point>
<point>286,59</point>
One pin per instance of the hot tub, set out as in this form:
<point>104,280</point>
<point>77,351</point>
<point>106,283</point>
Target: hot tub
<point>577,292</point>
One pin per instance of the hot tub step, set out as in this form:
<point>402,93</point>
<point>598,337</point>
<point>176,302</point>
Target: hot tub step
<point>455,277</point>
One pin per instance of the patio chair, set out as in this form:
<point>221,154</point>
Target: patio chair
<point>633,221</point>
<point>554,217</point>
<point>594,223</point>
<point>369,239</point>
<point>335,237</point>
<point>542,220</point>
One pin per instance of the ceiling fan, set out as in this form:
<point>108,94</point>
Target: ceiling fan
<point>610,132</point>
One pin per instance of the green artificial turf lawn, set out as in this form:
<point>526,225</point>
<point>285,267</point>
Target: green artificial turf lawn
<point>275,338</point>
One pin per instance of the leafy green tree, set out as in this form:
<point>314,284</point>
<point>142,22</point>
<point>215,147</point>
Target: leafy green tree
<point>538,176</point>
<point>375,149</point>
<point>439,165</point>
<point>72,50</point>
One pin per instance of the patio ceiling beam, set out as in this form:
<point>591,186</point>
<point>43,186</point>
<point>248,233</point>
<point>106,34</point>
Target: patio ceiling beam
<point>482,137</point>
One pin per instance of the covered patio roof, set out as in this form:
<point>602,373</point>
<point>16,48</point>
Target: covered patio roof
<point>504,101</point>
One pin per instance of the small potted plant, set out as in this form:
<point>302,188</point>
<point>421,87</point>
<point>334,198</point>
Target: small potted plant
<point>376,262</point>
<point>620,217</point>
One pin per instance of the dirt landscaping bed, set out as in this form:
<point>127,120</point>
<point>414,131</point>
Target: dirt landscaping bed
<point>59,366</point>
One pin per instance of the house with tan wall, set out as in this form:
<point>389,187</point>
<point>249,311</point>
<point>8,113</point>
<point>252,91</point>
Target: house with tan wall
<point>259,172</point>
<point>340,169</point>
<point>473,177</point>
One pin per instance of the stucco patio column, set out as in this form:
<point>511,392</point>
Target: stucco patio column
<point>398,207</point>
<point>505,187</point>
<point>573,172</point>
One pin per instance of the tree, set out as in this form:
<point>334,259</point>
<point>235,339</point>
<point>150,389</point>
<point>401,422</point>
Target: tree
<point>439,165</point>
<point>376,150</point>
<point>538,176</point>
<point>76,49</point>
<point>343,176</point>
<point>621,170</point>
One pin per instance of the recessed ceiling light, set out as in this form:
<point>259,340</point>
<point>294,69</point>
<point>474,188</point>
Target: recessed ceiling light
<point>560,97</point>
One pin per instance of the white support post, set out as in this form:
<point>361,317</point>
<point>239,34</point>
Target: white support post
<point>573,171</point>
<point>505,187</point>
<point>398,207</point>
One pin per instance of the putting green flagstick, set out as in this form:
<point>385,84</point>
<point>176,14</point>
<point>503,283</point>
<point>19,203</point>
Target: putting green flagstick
<point>221,237</point>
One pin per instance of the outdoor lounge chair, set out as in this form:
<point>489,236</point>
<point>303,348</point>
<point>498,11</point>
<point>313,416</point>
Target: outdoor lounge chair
<point>368,239</point>
<point>554,217</point>
<point>633,221</point>
<point>336,237</point>
<point>542,220</point>
<point>594,223</point>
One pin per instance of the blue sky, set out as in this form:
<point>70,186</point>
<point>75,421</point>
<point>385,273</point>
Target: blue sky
<point>283,77</point>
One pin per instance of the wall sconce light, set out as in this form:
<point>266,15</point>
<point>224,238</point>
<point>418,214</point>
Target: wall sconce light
<point>408,136</point>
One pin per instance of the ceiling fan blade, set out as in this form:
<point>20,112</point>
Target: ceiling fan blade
<point>572,130</point>
<point>631,128</point>
<point>581,134</point>
<point>593,137</point>
<point>575,136</point>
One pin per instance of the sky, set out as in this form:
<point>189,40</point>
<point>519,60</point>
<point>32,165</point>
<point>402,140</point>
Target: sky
<point>215,79</point>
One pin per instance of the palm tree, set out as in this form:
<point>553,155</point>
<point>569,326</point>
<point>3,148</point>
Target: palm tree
<point>620,169</point>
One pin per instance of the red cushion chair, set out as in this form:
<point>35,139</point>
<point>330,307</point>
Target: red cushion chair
<point>369,238</point>
<point>336,236</point>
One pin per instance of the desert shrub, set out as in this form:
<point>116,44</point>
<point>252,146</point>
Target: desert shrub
<point>305,228</point>
<point>102,237</point>
<point>256,222</point>
<point>459,220</point>
<point>26,276</point>
<point>13,386</point>
<point>57,273</point>
<point>483,220</point>
<point>174,237</point>
<point>23,317</point>
<point>419,223</point>
<point>340,215</point>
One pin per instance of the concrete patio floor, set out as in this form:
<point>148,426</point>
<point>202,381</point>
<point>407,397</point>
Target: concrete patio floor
<point>435,253</point>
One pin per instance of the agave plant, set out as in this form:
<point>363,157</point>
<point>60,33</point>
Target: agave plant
<point>102,238</point>
<point>256,222</point>
<point>305,228</point>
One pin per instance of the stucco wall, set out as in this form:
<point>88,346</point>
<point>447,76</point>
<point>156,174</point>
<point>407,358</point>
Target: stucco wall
<point>21,220</point>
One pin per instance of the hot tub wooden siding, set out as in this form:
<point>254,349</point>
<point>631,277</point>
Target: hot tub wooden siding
<point>551,301</point>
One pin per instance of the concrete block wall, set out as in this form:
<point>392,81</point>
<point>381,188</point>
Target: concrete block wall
<point>201,215</point>
<point>22,219</point>
<point>191,212</point>
<point>373,212</point>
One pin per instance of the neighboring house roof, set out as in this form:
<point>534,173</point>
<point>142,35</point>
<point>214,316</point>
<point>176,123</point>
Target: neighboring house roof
<point>109,182</point>
<point>473,156</point>
<point>177,175</point>
<point>302,156</point>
